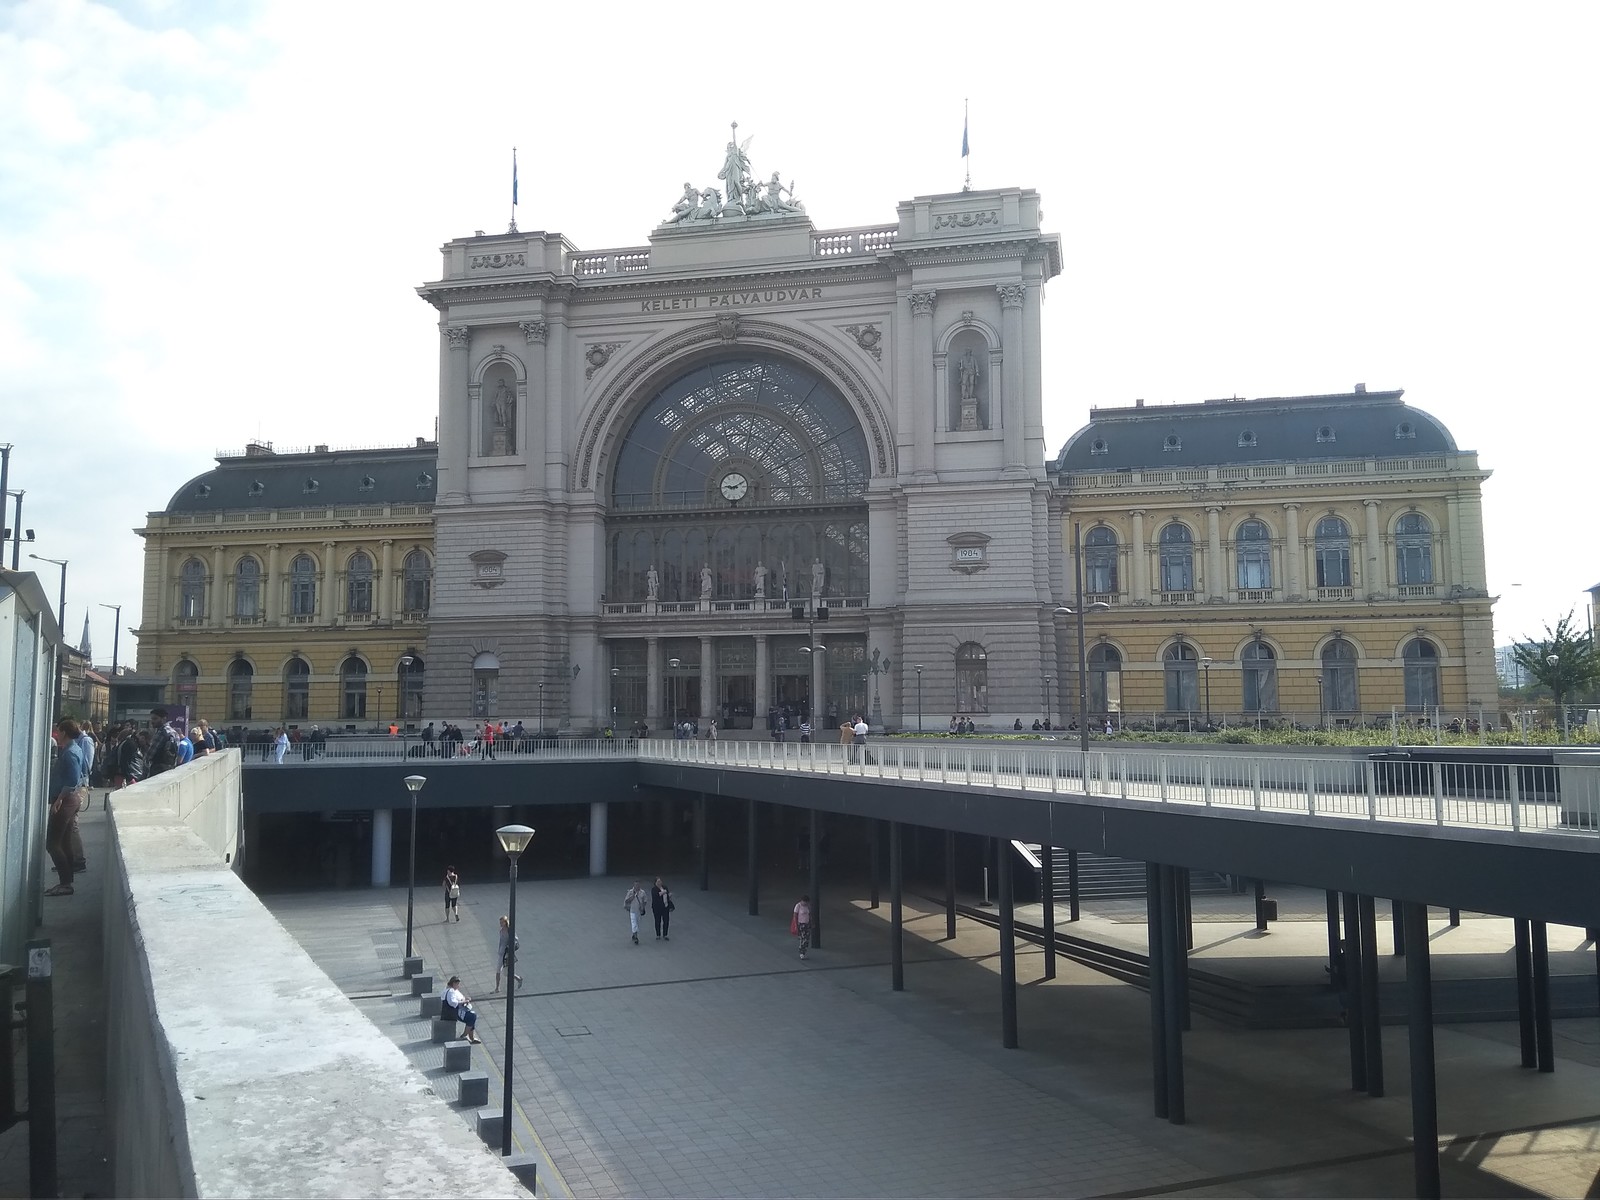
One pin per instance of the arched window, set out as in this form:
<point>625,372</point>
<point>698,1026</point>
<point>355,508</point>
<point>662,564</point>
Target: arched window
<point>419,583</point>
<point>972,678</point>
<point>1413,551</point>
<point>358,584</point>
<point>247,589</point>
<point>1177,558</point>
<point>192,590</point>
<point>1100,561</point>
<point>1253,552</point>
<point>412,677</point>
<point>297,690</point>
<point>241,682</point>
<point>1422,674</point>
<point>1105,680</point>
<point>1183,692</point>
<point>1260,668</point>
<point>353,685</point>
<point>1339,693</point>
<point>303,587</point>
<point>186,683</point>
<point>485,685</point>
<point>1333,553</point>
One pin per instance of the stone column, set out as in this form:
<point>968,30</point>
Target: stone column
<point>708,680</point>
<point>270,583</point>
<point>550,402</point>
<point>819,699</point>
<point>652,687</point>
<point>763,699</point>
<point>1012,385</point>
<point>531,433</point>
<point>219,588</point>
<point>327,606</point>
<point>382,844</point>
<point>1139,559</point>
<point>386,579</point>
<point>598,813</point>
<point>922,380</point>
<point>455,417</point>
<point>882,578</point>
<point>1215,584</point>
<point>1375,577</point>
<point>1447,539</point>
<point>1292,562</point>
<point>1033,389</point>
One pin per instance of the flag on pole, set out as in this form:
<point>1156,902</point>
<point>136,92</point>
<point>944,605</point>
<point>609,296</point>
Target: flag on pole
<point>964,150</point>
<point>513,177</point>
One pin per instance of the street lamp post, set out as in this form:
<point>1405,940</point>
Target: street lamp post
<point>918,670</point>
<point>514,840</point>
<point>616,675</point>
<point>1554,660</point>
<point>1083,653</point>
<point>672,692</point>
<point>61,605</point>
<point>878,666</point>
<point>541,708</point>
<point>17,531</point>
<point>1048,680</point>
<point>1205,662</point>
<point>1322,705</point>
<point>402,677</point>
<point>116,636</point>
<point>413,785</point>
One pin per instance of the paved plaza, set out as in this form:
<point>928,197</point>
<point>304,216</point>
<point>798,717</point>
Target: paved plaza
<point>719,1064</point>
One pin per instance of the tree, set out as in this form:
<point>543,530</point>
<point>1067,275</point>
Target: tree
<point>1575,669</point>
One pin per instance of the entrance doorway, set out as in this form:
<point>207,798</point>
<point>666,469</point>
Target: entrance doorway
<point>738,702</point>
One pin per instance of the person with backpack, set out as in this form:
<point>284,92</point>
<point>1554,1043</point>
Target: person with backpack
<point>505,961</point>
<point>164,739</point>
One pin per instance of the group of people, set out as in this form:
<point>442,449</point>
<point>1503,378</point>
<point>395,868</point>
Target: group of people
<point>657,901</point>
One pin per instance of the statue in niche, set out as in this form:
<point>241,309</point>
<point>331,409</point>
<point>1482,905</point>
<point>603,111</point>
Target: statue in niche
<point>652,583</point>
<point>503,408</point>
<point>967,376</point>
<point>818,576</point>
<point>705,582</point>
<point>761,581</point>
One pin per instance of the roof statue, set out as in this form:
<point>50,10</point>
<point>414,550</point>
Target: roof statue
<point>742,196</point>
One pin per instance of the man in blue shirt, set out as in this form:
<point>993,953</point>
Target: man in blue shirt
<point>69,781</point>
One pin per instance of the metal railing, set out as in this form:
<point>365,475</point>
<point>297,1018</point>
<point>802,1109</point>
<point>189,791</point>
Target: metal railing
<point>366,751</point>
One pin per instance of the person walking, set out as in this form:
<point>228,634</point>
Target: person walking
<point>801,925</point>
<point>637,902</point>
<point>661,908</point>
<point>458,1005</point>
<point>69,780</point>
<point>452,894</point>
<point>280,746</point>
<point>505,959</point>
<point>858,731</point>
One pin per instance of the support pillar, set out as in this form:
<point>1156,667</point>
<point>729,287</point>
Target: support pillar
<point>1544,1032</point>
<point>1183,941</point>
<point>814,833</point>
<point>1424,1086</point>
<point>1335,965</point>
<point>652,685</point>
<point>599,810</point>
<point>1398,920</point>
<point>1293,560</point>
<point>1369,996</point>
<point>382,845</point>
<point>949,885</point>
<point>1524,956</point>
<point>752,874</point>
<point>1073,911</point>
<point>1354,993</point>
<point>1047,864</point>
<point>1216,579</point>
<point>922,386</point>
<point>702,851</point>
<point>1138,562</point>
<point>897,966</point>
<point>1011,366</point>
<point>874,852</point>
<point>708,681</point>
<point>1008,950</point>
<point>1155,938</point>
<point>763,699</point>
<point>1174,999</point>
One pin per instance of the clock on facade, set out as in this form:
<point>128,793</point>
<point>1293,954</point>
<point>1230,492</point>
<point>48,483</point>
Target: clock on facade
<point>734,486</point>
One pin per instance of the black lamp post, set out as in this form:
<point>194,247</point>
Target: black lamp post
<point>541,708</point>
<point>616,674</point>
<point>402,677</point>
<point>672,692</point>
<point>514,840</point>
<point>61,605</point>
<point>1322,705</point>
<point>1205,662</point>
<point>116,636</point>
<point>918,670</point>
<point>1048,680</point>
<point>413,785</point>
<point>1554,661</point>
<point>1083,650</point>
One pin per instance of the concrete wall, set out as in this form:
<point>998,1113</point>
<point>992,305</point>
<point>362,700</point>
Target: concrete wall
<point>234,1067</point>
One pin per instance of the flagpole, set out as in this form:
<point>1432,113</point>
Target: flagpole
<point>966,153</point>
<point>513,228</point>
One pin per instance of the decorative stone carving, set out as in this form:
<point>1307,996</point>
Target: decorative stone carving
<point>1010,295</point>
<point>748,199</point>
<point>598,355</point>
<point>966,220</point>
<point>498,262</point>
<point>705,582</point>
<point>488,568</point>
<point>922,303</point>
<point>728,327</point>
<point>652,583</point>
<point>534,331</point>
<point>458,336</point>
<point>968,316</point>
<point>868,338</point>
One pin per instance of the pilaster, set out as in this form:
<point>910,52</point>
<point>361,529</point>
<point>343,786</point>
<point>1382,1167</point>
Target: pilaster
<point>1014,386</point>
<point>922,380</point>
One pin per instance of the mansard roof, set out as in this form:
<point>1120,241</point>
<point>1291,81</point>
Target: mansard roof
<point>1357,424</point>
<point>263,478</point>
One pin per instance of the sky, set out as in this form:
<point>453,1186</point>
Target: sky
<point>214,215</point>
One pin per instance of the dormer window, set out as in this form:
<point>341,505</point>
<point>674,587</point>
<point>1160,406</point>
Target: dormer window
<point>1173,442</point>
<point>312,486</point>
<point>1248,438</point>
<point>202,491</point>
<point>1405,430</point>
<point>1325,433</point>
<point>424,481</point>
<point>1098,446</point>
<point>368,483</point>
<point>257,488</point>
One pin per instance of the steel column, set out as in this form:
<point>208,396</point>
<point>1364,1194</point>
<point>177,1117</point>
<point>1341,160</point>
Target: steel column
<point>1047,864</point>
<point>752,874</point>
<point>1173,982</point>
<point>701,848</point>
<point>874,852</point>
<point>814,834</point>
<point>1524,955</point>
<point>1544,1033</point>
<point>1371,1015</point>
<point>1424,1087</point>
<point>897,966</point>
<point>1072,885</point>
<point>1398,920</point>
<point>949,885</point>
<point>1354,1018</point>
<point>1008,950</point>
<point>1335,966</point>
<point>1157,961</point>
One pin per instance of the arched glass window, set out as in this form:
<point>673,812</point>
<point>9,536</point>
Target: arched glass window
<point>1260,668</point>
<point>1413,550</point>
<point>412,678</point>
<point>1333,553</point>
<point>186,683</point>
<point>1105,680</point>
<point>1253,552</point>
<point>485,685</point>
<point>241,682</point>
<point>1422,674</point>
<point>297,690</point>
<point>1177,558</point>
<point>358,583</point>
<point>972,678</point>
<point>192,590</point>
<point>1183,692</point>
<point>418,572</point>
<point>353,685</point>
<point>1339,692</point>
<point>247,589</point>
<point>302,586</point>
<point>1100,561</point>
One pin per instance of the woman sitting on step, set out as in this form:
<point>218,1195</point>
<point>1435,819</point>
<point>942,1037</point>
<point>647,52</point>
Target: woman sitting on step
<point>457,1005</point>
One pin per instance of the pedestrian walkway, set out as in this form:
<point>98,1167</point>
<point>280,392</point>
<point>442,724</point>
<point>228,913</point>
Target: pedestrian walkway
<point>717,1063</point>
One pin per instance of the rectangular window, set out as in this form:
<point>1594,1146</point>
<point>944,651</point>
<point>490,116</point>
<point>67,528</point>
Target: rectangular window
<point>297,699</point>
<point>1333,567</point>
